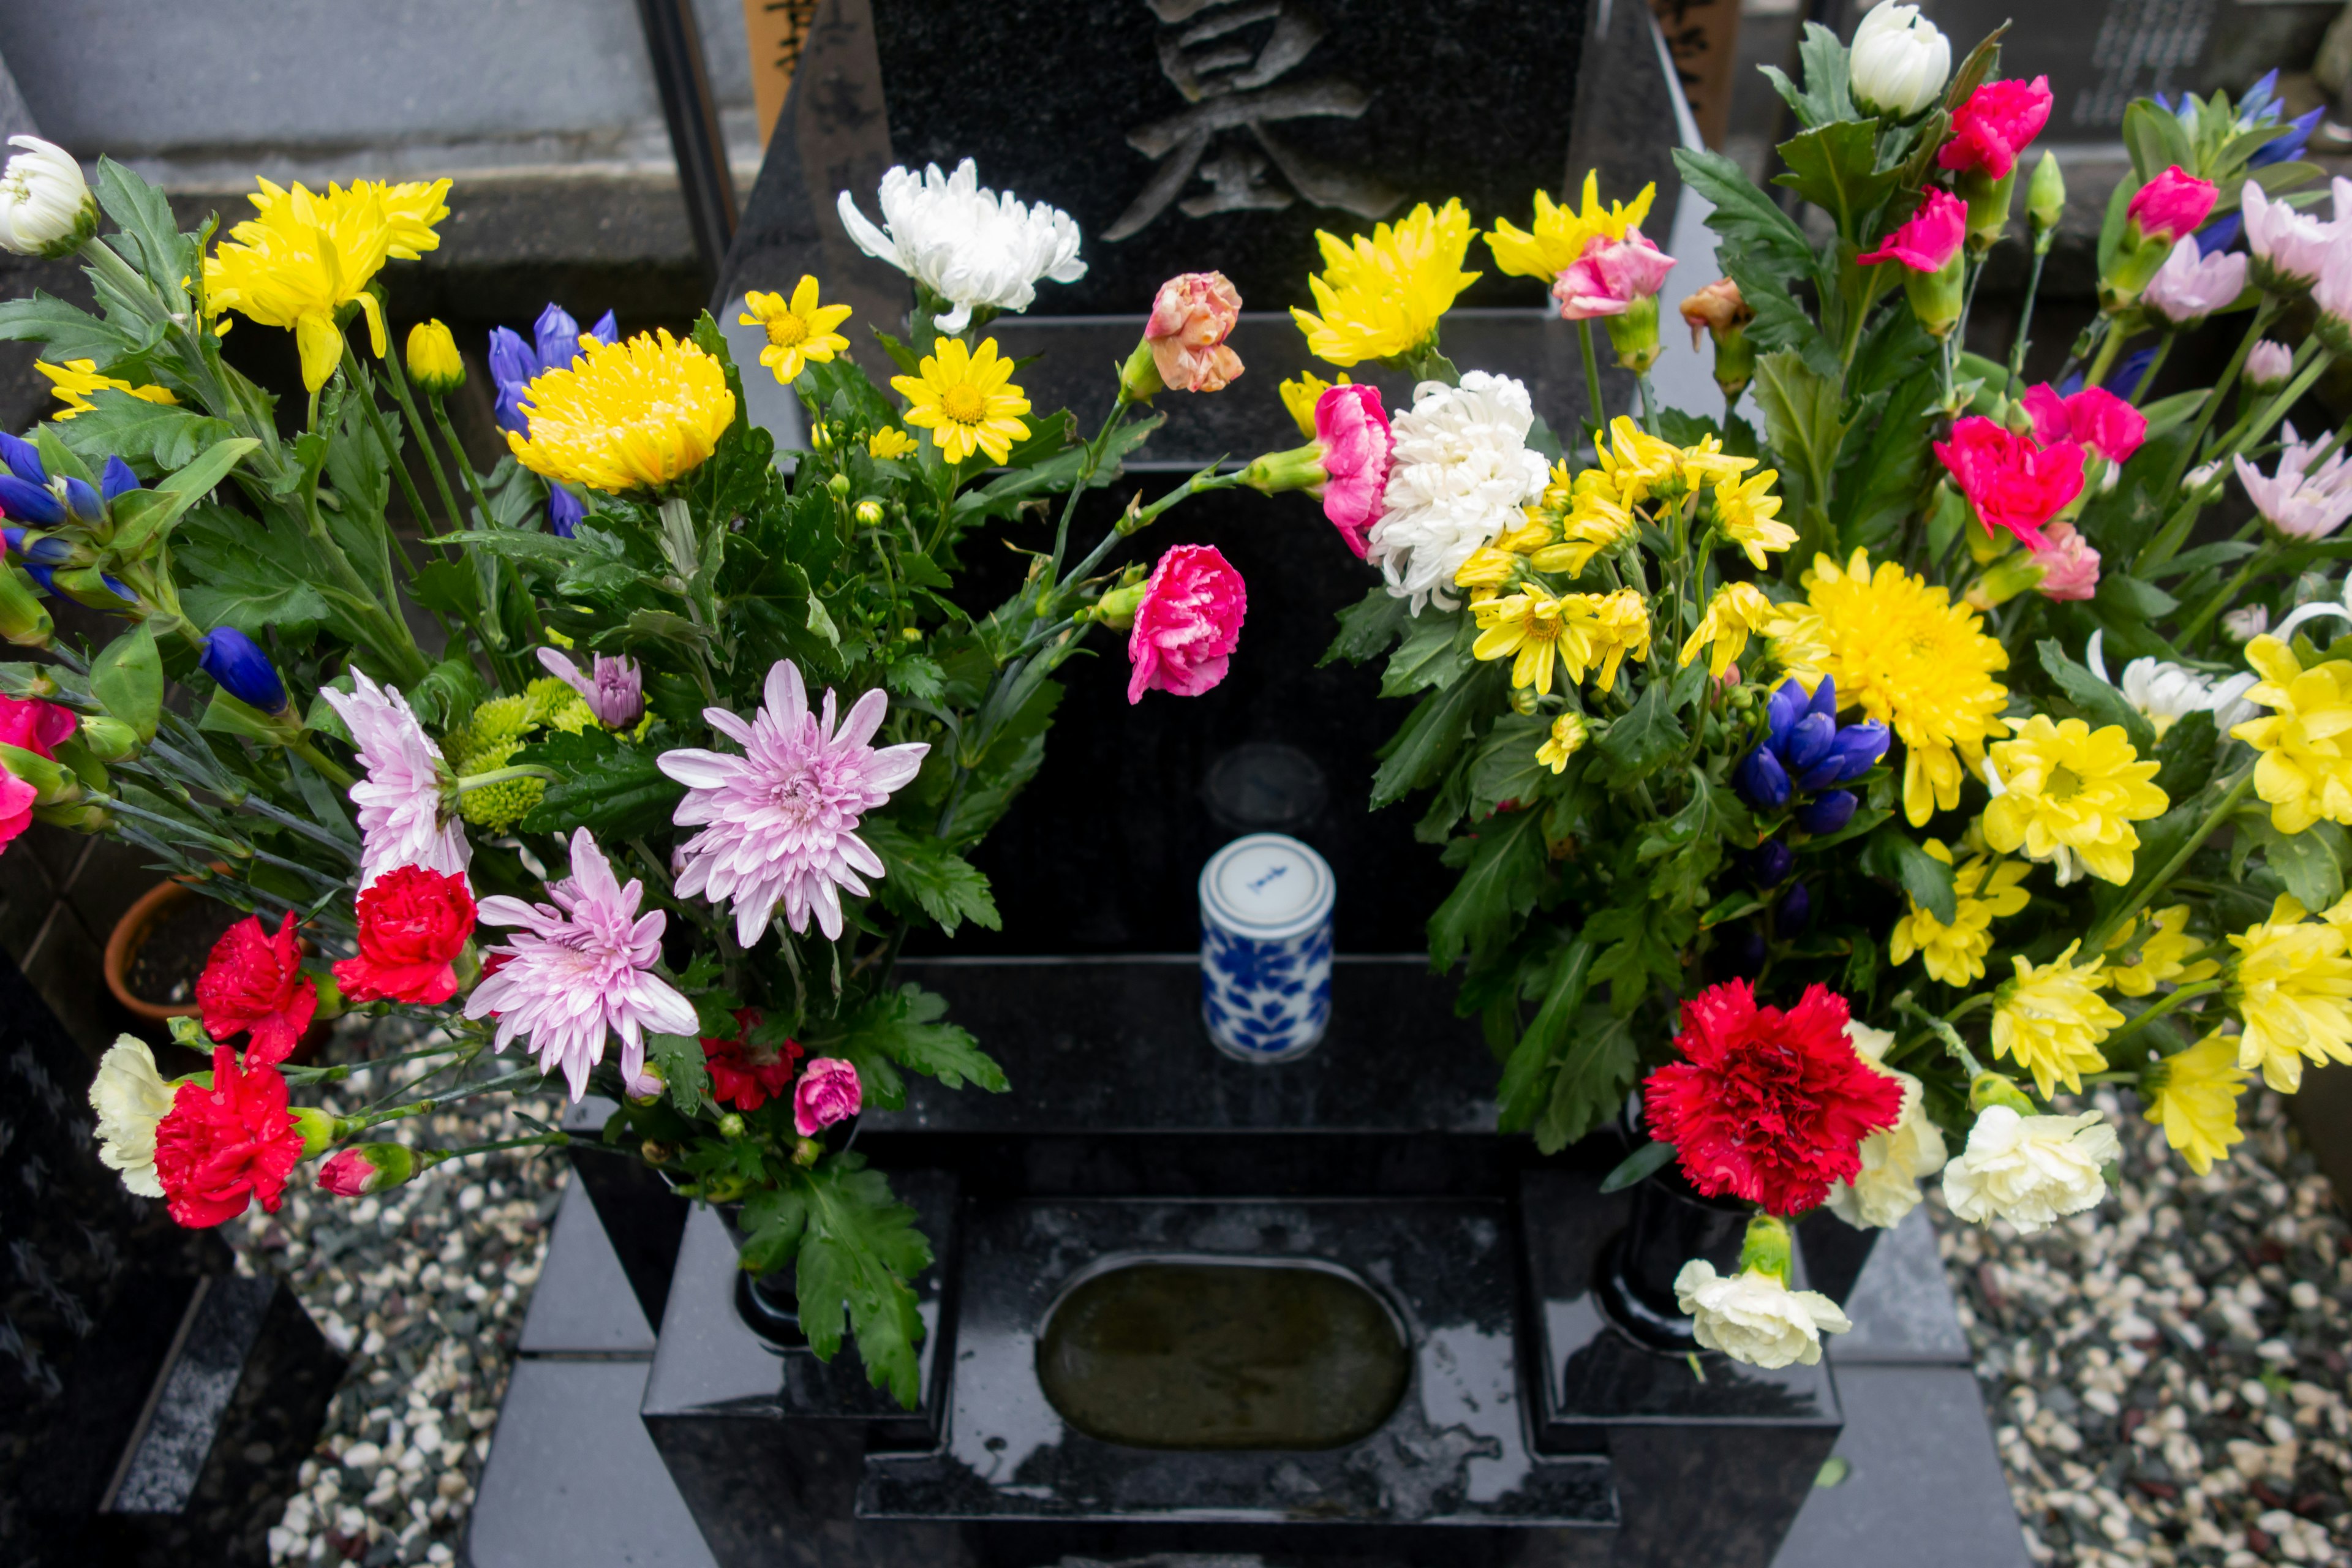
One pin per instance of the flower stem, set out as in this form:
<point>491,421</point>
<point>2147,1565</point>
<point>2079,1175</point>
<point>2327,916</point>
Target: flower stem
<point>473,781</point>
<point>2154,363</point>
<point>2109,346</point>
<point>1943,1031</point>
<point>2024,322</point>
<point>363,388</point>
<point>1597,416</point>
<point>2097,940</point>
<point>1093,451</point>
<point>2220,600</point>
<point>529,1075</point>
<point>2141,1020</point>
<point>329,769</point>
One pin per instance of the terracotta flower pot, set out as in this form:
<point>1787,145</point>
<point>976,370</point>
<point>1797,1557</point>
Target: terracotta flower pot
<point>166,911</point>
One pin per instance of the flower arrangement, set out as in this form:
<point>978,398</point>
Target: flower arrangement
<point>1780,754</point>
<point>641,766</point>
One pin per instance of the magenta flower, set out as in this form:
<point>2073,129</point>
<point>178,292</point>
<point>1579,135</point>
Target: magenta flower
<point>780,822</point>
<point>1354,431</point>
<point>2093,416</point>
<point>1610,277</point>
<point>2191,285</point>
<point>2289,246</point>
<point>405,819</point>
<point>2070,567</point>
<point>615,690</point>
<point>1188,624</point>
<point>2013,482</point>
<point>1994,125</point>
<point>581,969</point>
<point>1929,239</point>
<point>828,1092</point>
<point>2172,205</point>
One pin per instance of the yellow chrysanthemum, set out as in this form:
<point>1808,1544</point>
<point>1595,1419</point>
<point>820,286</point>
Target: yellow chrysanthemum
<point>1595,521</point>
<point>1746,511</point>
<point>72,383</point>
<point>2162,941</point>
<point>2050,1019</point>
<point>1488,567</point>
<point>1567,737</point>
<point>1708,464</point>
<point>1301,393</point>
<point>1382,297</point>
<point>646,411</point>
<point>1634,463</point>
<point>890,442</point>
<point>1911,659</point>
<point>2193,1095</point>
<point>1603,629</point>
<point>1982,889</point>
<point>2305,742</point>
<point>2067,789</point>
<point>2293,989</point>
<point>799,331</point>
<point>1560,233</point>
<point>305,255</point>
<point>1738,611</point>
<point>434,363</point>
<point>965,401</point>
<point>1525,627</point>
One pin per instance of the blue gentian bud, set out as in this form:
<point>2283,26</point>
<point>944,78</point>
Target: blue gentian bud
<point>1827,813</point>
<point>558,335</point>
<point>30,501</point>
<point>1808,742</point>
<point>606,330</point>
<point>38,549</point>
<point>1787,704</point>
<point>87,586</point>
<point>23,459</point>
<point>117,479</point>
<point>243,670</point>
<point>564,510</point>
<point>1760,779</point>
<point>512,366</point>
<point>83,502</point>
<point>1857,750</point>
<point>1796,909</point>
<point>1771,862</point>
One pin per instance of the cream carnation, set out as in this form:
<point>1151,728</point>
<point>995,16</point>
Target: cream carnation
<point>2030,1170</point>
<point>1752,1317</point>
<point>1458,475</point>
<point>1895,1159</point>
<point>130,1096</point>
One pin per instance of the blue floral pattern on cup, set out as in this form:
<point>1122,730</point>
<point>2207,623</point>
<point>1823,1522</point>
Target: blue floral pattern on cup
<point>1266,1000</point>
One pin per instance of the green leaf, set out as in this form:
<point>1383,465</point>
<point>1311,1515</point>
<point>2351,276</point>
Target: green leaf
<point>447,587</point>
<point>1890,853</point>
<point>903,1026</point>
<point>127,677</point>
<point>684,1071</point>
<point>1430,736</point>
<point>1750,221</point>
<point>1496,891</point>
<point>1833,167</point>
<point>1506,768</point>
<point>1590,1085</point>
<point>155,437</point>
<point>917,868</point>
<point>1801,419</point>
<point>2168,413</point>
<point>225,715</point>
<point>857,1254</point>
<point>140,523</point>
<point>774,1219</point>
<point>2185,756</point>
<point>69,332</point>
<point>150,237</point>
<point>2310,863</point>
<point>620,794</point>
<point>1526,1087</point>
<point>1634,1167</point>
<point>2111,227</point>
<point>1435,652</point>
<point>1002,495</point>
<point>2100,704</point>
<point>1640,742</point>
<point>1367,627</point>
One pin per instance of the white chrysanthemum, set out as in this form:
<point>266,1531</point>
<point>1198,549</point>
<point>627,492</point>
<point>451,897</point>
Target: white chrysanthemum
<point>405,820</point>
<point>45,203</point>
<point>1458,475</point>
<point>130,1096</point>
<point>1752,1317</point>
<point>2030,1170</point>
<point>1895,1159</point>
<point>2165,693</point>
<point>964,242</point>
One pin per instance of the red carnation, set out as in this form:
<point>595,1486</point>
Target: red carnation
<point>254,981</point>
<point>413,923</point>
<point>1768,1106</point>
<point>744,1074</point>
<point>218,1148</point>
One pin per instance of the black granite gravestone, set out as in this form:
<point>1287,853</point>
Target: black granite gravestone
<point>2099,55</point>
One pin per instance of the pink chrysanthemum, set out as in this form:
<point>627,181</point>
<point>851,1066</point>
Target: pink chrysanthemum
<point>779,823</point>
<point>582,968</point>
<point>402,819</point>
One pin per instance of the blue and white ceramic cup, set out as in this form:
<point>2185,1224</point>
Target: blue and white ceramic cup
<point>1266,948</point>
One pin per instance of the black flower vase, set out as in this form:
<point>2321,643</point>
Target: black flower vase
<point>767,1303</point>
<point>1670,1225</point>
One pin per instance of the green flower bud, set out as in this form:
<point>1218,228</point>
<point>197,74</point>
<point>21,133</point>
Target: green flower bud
<point>317,1127</point>
<point>1990,1088</point>
<point>870,513</point>
<point>1634,334</point>
<point>108,739</point>
<point>1139,378</point>
<point>1117,608</point>
<point>1298,468</point>
<point>730,1125</point>
<point>2045,198</point>
<point>24,620</point>
<point>839,486</point>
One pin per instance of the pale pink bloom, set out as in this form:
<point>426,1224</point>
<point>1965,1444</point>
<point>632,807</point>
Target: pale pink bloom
<point>615,688</point>
<point>2093,416</point>
<point>405,819</point>
<point>1190,317</point>
<point>2292,245</point>
<point>1610,276</point>
<point>2297,504</point>
<point>2268,365</point>
<point>828,1092</point>
<point>2332,292</point>
<point>2070,567</point>
<point>1188,624</point>
<point>581,969</point>
<point>1353,429</point>
<point>2246,623</point>
<point>2191,286</point>
<point>779,823</point>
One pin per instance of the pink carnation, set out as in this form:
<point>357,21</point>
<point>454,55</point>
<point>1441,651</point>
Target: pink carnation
<point>828,1092</point>
<point>1190,317</point>
<point>2172,205</point>
<point>1186,625</point>
<point>17,799</point>
<point>2093,416</point>
<point>346,1174</point>
<point>1930,239</point>
<point>1994,125</point>
<point>2013,482</point>
<point>1354,431</point>
<point>2070,567</point>
<point>1610,276</point>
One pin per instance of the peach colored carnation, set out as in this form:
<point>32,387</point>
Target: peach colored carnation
<point>1190,317</point>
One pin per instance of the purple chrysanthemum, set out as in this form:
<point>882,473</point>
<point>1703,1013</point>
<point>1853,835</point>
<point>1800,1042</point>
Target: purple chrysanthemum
<point>403,818</point>
<point>780,822</point>
<point>614,688</point>
<point>582,968</point>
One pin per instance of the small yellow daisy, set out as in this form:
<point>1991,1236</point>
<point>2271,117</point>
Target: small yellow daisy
<point>963,399</point>
<point>72,383</point>
<point>1746,510</point>
<point>799,333</point>
<point>890,442</point>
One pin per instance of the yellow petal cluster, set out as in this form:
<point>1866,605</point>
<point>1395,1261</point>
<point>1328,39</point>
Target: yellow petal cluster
<point>2305,771</point>
<point>1634,463</point>
<point>72,383</point>
<point>2050,1018</point>
<point>2066,786</point>
<point>1738,611</point>
<point>1595,520</point>
<point>2292,987</point>
<point>2163,943</point>
<point>965,400</point>
<point>646,411</point>
<point>434,363</point>
<point>1982,889</point>
<point>1525,627</point>
<point>1567,737</point>
<point>801,330</point>
<point>1908,657</point>
<point>890,442</point>
<point>1382,297</point>
<point>1560,233</point>
<point>1748,511</point>
<point>411,210</point>
<point>1301,393</point>
<point>1603,629</point>
<point>2193,1096</point>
